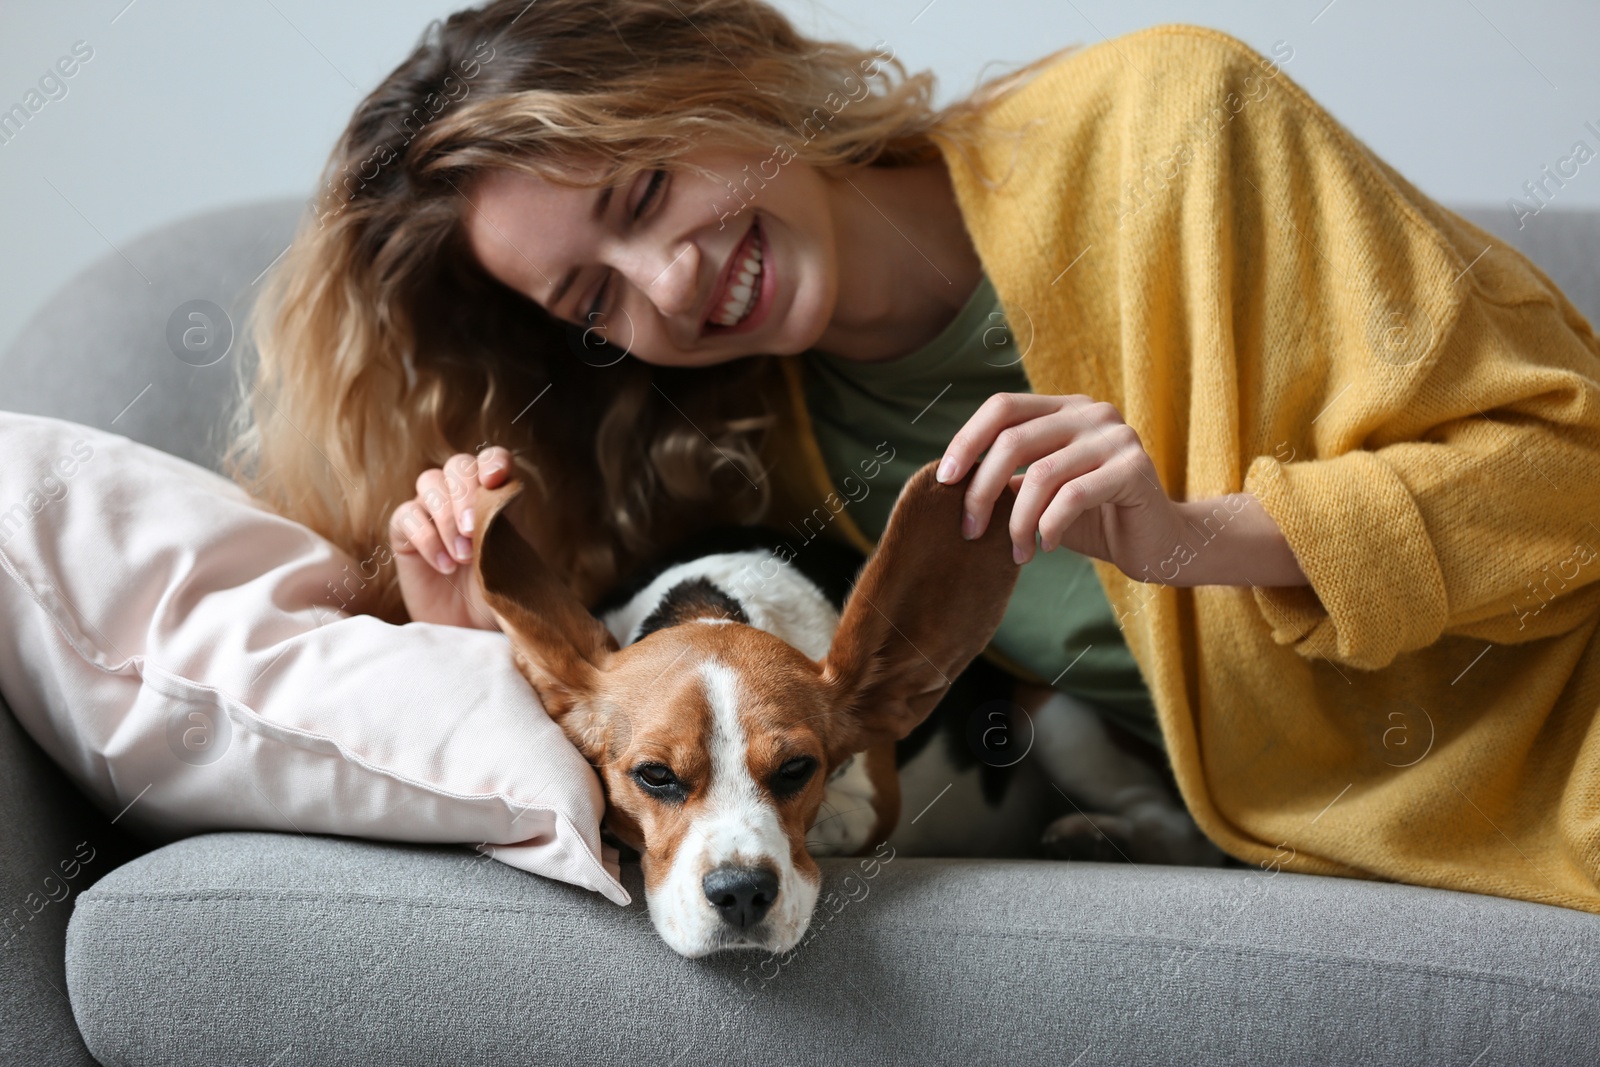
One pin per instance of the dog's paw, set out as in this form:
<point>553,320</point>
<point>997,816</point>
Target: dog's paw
<point>1102,838</point>
<point>1167,834</point>
<point>1150,834</point>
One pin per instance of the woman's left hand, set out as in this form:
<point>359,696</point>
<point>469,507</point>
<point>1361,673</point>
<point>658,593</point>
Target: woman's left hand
<point>1089,484</point>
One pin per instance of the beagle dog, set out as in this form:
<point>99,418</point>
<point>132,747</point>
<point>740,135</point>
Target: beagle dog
<point>749,708</point>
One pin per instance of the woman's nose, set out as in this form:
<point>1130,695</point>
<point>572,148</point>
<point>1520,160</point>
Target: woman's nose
<point>668,277</point>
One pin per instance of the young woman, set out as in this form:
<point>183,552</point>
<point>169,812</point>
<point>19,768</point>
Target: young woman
<point>1295,446</point>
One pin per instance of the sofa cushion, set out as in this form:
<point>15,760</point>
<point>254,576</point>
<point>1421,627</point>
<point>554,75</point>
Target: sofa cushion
<point>241,947</point>
<point>185,655</point>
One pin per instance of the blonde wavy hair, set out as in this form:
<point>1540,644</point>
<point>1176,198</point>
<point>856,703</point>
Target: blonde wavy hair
<point>382,347</point>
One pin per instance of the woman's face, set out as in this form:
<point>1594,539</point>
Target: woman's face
<point>679,269</point>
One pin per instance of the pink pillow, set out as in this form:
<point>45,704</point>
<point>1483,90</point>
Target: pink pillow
<point>184,654</point>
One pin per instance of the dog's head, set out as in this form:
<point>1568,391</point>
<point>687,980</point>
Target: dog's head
<point>713,739</point>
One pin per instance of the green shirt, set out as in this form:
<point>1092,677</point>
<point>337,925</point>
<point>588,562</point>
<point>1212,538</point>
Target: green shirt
<point>1058,624</point>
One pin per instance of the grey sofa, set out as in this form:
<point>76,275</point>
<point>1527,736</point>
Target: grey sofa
<point>287,949</point>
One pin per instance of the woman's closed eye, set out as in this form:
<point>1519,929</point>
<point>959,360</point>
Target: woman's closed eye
<point>657,178</point>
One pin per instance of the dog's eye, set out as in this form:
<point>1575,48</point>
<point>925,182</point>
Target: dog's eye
<point>659,780</point>
<point>654,774</point>
<point>793,775</point>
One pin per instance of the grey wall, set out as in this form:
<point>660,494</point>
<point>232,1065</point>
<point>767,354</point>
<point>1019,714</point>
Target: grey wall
<point>188,105</point>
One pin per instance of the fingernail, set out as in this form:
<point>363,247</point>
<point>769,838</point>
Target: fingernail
<point>969,526</point>
<point>467,519</point>
<point>947,469</point>
<point>445,563</point>
<point>463,549</point>
<point>1016,553</point>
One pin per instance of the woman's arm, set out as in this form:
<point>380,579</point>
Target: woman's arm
<point>1238,544</point>
<point>1090,485</point>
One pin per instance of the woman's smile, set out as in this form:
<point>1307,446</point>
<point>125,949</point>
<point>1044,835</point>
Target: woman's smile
<point>744,292</point>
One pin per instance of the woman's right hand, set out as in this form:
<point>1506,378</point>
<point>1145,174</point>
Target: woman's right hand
<point>431,538</point>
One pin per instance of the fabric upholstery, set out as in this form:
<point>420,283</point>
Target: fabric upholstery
<point>99,351</point>
<point>258,948</point>
<point>185,653</point>
<point>53,846</point>
<point>1560,241</point>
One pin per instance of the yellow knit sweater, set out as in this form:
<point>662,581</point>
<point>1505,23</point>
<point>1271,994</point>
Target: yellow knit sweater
<point>1174,226</point>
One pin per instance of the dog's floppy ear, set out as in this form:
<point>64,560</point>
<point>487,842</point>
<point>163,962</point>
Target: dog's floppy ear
<point>924,605</point>
<point>559,646</point>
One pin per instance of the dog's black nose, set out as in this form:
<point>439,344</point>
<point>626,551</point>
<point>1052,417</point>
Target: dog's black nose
<point>741,895</point>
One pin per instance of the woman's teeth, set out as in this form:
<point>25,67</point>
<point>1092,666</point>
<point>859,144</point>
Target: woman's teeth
<point>742,293</point>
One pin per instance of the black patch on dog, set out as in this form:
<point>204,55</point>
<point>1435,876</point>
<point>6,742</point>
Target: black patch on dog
<point>949,723</point>
<point>690,599</point>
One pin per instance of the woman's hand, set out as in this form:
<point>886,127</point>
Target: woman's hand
<point>431,538</point>
<point>1091,486</point>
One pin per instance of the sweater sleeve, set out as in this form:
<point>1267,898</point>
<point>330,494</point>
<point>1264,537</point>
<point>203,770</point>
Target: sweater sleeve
<point>1480,521</point>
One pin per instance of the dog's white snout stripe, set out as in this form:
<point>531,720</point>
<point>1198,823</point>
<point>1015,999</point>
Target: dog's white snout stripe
<point>738,826</point>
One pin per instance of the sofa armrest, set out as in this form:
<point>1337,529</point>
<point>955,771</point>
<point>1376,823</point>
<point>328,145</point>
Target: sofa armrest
<point>53,845</point>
